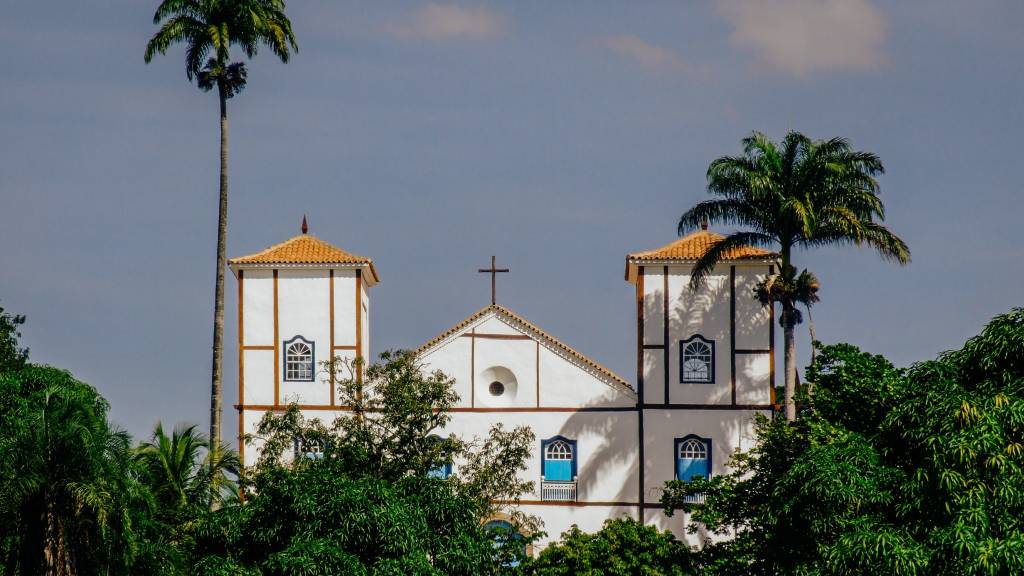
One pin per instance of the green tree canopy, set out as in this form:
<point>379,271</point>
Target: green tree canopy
<point>889,471</point>
<point>623,547</point>
<point>355,496</point>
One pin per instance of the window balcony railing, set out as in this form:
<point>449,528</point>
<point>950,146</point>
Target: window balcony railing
<point>694,498</point>
<point>558,491</point>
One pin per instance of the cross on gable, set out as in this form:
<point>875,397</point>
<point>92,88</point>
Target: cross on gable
<point>493,271</point>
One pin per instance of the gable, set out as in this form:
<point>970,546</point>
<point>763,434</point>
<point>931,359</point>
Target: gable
<point>531,368</point>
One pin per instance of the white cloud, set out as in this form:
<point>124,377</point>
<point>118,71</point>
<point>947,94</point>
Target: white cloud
<point>647,55</point>
<point>450,21</point>
<point>805,36</point>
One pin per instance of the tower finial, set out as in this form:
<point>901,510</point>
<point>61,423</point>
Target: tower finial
<point>704,224</point>
<point>305,227</point>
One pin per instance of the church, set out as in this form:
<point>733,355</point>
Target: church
<point>605,444</point>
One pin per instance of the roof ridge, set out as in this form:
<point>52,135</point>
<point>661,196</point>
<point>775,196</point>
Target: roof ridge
<point>615,379</point>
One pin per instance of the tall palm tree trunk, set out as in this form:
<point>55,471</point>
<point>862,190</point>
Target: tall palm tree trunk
<point>218,306</point>
<point>789,332</point>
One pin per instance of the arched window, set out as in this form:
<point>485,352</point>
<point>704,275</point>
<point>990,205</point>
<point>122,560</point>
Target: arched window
<point>559,456</point>
<point>508,543</point>
<point>693,458</point>
<point>443,469</point>
<point>298,360</point>
<point>697,361</point>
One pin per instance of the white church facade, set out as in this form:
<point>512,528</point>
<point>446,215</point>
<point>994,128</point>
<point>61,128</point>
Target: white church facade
<point>605,446</point>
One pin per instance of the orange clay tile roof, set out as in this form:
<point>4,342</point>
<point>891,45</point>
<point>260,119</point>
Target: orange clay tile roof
<point>550,341</point>
<point>304,249</point>
<point>692,246</point>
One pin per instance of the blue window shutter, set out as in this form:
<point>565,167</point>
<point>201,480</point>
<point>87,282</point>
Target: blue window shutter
<point>687,468</point>
<point>558,470</point>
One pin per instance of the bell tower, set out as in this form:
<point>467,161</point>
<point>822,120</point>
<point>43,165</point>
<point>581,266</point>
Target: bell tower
<point>300,302</point>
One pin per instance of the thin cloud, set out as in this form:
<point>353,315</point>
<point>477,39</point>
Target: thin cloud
<point>450,21</point>
<point>805,36</point>
<point>651,57</point>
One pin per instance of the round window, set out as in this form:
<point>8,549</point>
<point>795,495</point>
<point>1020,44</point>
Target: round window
<point>496,388</point>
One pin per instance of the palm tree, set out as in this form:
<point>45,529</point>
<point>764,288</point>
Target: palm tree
<point>800,193</point>
<point>179,472</point>
<point>209,28</point>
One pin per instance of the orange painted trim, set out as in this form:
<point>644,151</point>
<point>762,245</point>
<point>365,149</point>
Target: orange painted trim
<point>569,504</point>
<point>330,306</point>
<point>269,347</point>
<point>277,345</point>
<point>472,370</point>
<point>345,347</point>
<point>241,366</point>
<point>527,409</point>
<point>496,336</point>
<point>359,322</point>
<point>538,372</point>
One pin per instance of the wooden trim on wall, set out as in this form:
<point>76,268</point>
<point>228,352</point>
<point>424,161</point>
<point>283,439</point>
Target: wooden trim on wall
<point>344,347</point>
<point>732,332</point>
<point>472,370</point>
<point>641,464</point>
<point>658,347</point>
<point>708,406</point>
<point>241,365</point>
<point>664,338</point>
<point>538,371</point>
<point>569,504</point>
<point>277,348</point>
<point>253,347</point>
<point>330,306</point>
<point>359,323</point>
<point>752,351</point>
<point>496,336</point>
<point>503,410</point>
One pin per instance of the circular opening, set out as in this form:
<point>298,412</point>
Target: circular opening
<point>496,388</point>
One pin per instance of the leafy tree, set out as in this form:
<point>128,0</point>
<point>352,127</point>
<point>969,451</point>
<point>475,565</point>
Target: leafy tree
<point>800,193</point>
<point>11,356</point>
<point>623,547</point>
<point>183,481</point>
<point>69,500</point>
<point>356,496</point>
<point>209,28</point>
<point>888,471</point>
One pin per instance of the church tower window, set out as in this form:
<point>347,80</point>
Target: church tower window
<point>693,458</point>
<point>298,360</point>
<point>697,361</point>
<point>558,472</point>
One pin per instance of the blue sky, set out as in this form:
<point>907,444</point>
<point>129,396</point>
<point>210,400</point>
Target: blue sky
<point>428,136</point>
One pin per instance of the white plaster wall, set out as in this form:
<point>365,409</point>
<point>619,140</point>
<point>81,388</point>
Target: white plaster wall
<point>303,304</point>
<point>728,430</point>
<point>344,308</point>
<point>752,317</point>
<point>258,308</point>
<point>753,379</point>
<point>654,376</point>
<point>606,445</point>
<point>495,325</point>
<point>705,312</point>
<point>654,305</point>
<point>258,374</point>
<point>558,519</point>
<point>365,294</point>
<point>518,356</point>
<point>453,360</point>
<point>564,384</point>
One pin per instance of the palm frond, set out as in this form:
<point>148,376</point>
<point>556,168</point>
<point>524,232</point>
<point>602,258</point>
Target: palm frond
<point>711,258</point>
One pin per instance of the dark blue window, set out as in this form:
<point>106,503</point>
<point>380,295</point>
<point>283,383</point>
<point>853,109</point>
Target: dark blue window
<point>299,360</point>
<point>693,458</point>
<point>441,471</point>
<point>697,360</point>
<point>559,459</point>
